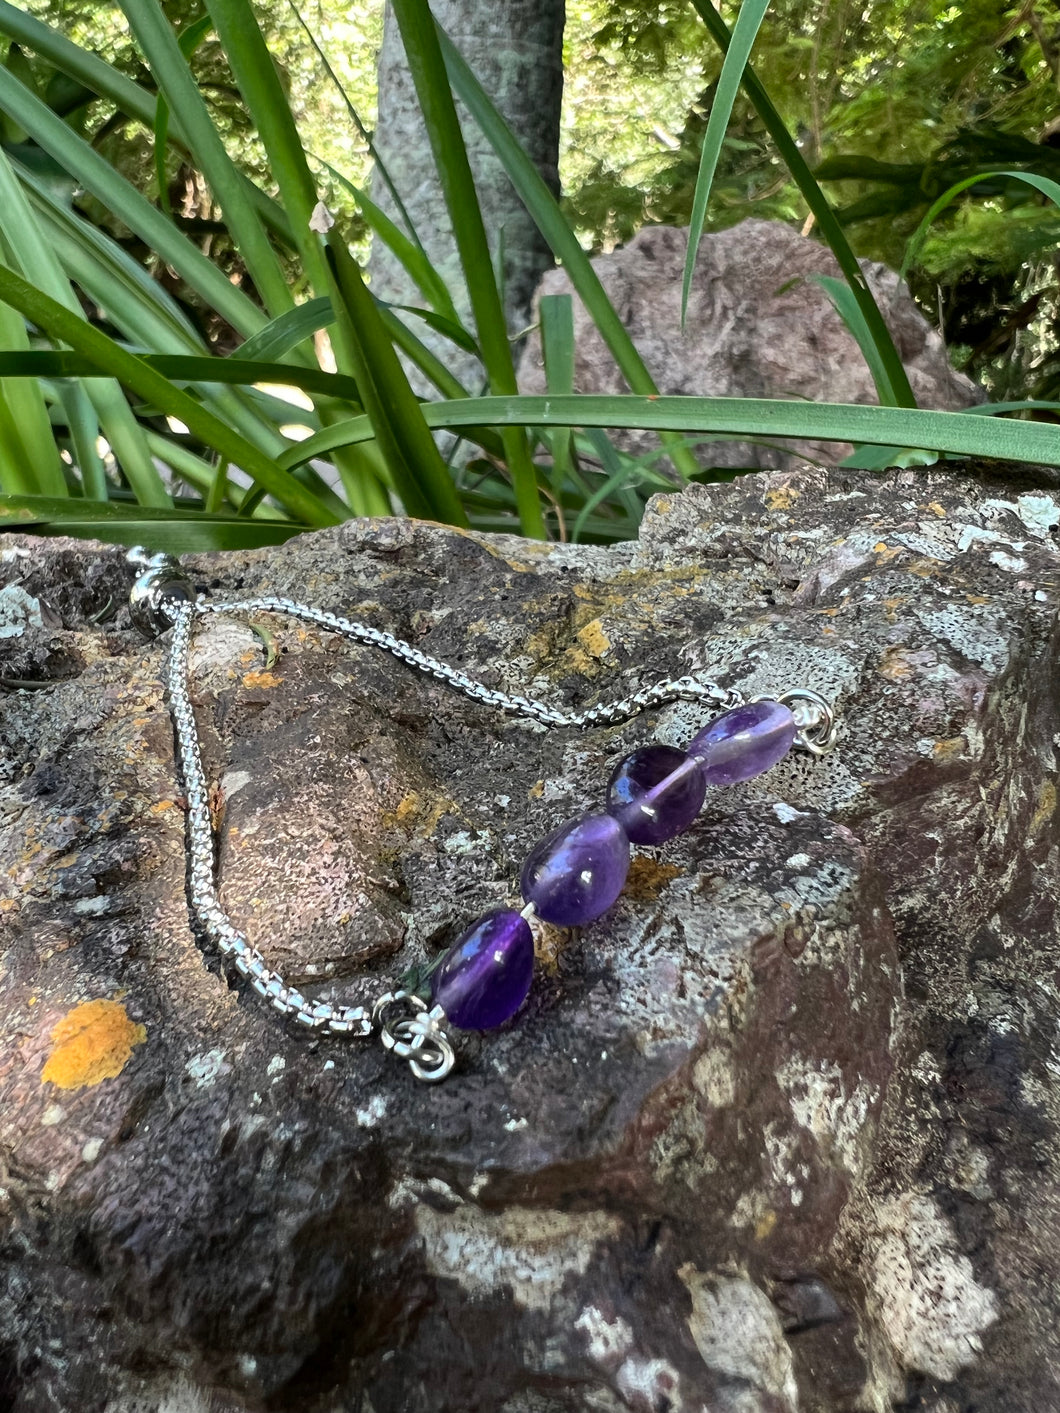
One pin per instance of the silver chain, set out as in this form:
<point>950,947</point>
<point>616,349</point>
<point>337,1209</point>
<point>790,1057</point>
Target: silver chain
<point>406,1025</point>
<point>685,689</point>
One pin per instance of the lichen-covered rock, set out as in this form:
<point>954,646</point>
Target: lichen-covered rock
<point>776,1133</point>
<point>758,325</point>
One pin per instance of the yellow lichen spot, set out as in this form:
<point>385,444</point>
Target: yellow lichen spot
<point>261,679</point>
<point>937,509</point>
<point>536,790</point>
<point>413,808</point>
<point>782,499</point>
<point>593,638</point>
<point>977,598</point>
<point>1045,809</point>
<point>91,1043</point>
<point>885,551</point>
<point>647,878</point>
<point>765,1225</point>
<point>8,904</point>
<point>952,748</point>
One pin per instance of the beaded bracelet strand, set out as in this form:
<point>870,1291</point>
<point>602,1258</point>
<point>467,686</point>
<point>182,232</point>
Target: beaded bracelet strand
<point>571,877</point>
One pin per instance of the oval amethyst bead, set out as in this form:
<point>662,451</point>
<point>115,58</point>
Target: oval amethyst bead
<point>656,792</point>
<point>575,874</point>
<point>486,974</point>
<point>744,742</point>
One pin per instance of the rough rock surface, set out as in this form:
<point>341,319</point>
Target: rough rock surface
<point>759,325</point>
<point>778,1133</point>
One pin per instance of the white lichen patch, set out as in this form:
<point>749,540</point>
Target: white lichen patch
<point>931,1306</point>
<point>607,1341</point>
<point>373,1111</point>
<point>1040,513</point>
<point>18,611</point>
<point>205,1068</point>
<point>649,1383</point>
<point>820,1102</point>
<point>737,1332</point>
<point>527,1251</point>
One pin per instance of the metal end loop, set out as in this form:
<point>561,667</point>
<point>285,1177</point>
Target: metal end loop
<point>418,1037</point>
<point>162,585</point>
<point>818,725</point>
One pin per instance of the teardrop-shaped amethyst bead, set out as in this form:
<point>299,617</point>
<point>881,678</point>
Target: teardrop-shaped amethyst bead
<point>574,874</point>
<point>656,792</point>
<point>486,975</point>
<point>743,742</point>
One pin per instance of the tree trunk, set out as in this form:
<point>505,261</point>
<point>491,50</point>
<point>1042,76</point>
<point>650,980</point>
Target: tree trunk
<point>515,49</point>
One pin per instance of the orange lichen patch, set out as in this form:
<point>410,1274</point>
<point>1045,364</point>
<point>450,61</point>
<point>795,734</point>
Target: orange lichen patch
<point>782,499</point>
<point>885,551</point>
<point>160,806</point>
<point>413,808</point>
<point>91,1043</point>
<point>593,638</point>
<point>647,877</point>
<point>952,748</point>
<point>261,679</point>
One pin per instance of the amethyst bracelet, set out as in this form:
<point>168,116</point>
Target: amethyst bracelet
<point>576,873</point>
<point>570,878</point>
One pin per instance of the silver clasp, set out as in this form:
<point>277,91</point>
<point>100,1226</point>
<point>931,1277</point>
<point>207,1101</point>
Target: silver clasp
<point>162,581</point>
<point>418,1037</point>
<point>815,719</point>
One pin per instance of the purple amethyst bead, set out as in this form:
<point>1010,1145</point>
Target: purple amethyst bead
<point>486,974</point>
<point>744,742</point>
<point>656,792</point>
<point>575,874</point>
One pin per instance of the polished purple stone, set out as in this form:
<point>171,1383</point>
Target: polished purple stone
<point>576,873</point>
<point>744,742</point>
<point>656,792</point>
<point>486,974</point>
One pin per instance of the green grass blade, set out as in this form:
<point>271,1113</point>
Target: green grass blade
<point>83,424</point>
<point>748,23</point>
<point>36,259</point>
<point>59,323</point>
<point>409,253</point>
<point>853,316</point>
<point>287,331</point>
<point>818,203</point>
<point>1048,188</point>
<point>259,84</point>
<point>557,347</point>
<point>189,40</point>
<point>427,67</point>
<point>160,46</point>
<point>122,199</point>
<point>181,531</point>
<point>30,459</point>
<point>419,474</point>
<point>129,97</point>
<point>963,433</point>
<point>535,195</point>
<point>187,369</point>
